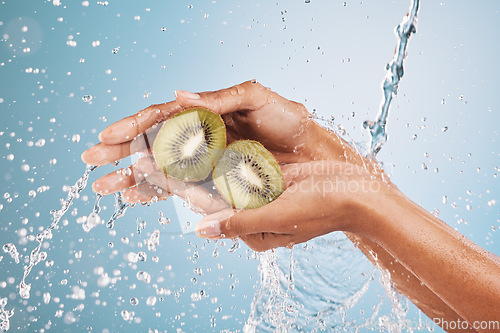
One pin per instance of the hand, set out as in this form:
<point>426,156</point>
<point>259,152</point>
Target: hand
<point>320,197</point>
<point>250,111</point>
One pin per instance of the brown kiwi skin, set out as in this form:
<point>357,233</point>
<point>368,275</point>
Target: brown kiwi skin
<point>215,162</point>
<point>218,190</point>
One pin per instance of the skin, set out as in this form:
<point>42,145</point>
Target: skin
<point>443,273</point>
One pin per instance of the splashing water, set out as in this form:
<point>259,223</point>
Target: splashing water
<point>273,303</point>
<point>12,250</point>
<point>295,293</point>
<point>36,256</point>
<point>93,219</point>
<point>5,315</point>
<point>395,72</point>
<point>120,209</point>
<point>269,296</point>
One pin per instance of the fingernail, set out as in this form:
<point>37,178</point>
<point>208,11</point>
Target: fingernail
<point>186,94</point>
<point>208,229</point>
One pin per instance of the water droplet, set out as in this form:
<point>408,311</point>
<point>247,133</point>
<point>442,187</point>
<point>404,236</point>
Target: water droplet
<point>75,138</point>
<point>46,297</point>
<point>24,290</point>
<point>236,246</point>
<point>151,301</point>
<point>126,315</point>
<point>134,301</point>
<point>142,256</point>
<point>163,220</point>
<point>87,98</point>
<point>143,276</point>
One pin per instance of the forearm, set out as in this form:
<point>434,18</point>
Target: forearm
<point>406,282</point>
<point>464,276</point>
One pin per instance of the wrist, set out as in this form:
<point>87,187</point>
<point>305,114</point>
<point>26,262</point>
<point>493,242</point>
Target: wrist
<point>377,208</point>
<point>324,144</point>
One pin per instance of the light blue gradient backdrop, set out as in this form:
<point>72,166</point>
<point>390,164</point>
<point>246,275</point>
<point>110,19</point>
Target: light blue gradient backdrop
<point>329,55</point>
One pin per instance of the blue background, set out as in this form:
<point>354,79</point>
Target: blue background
<point>329,55</point>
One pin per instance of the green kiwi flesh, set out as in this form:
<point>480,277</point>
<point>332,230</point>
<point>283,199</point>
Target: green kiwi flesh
<point>247,175</point>
<point>189,144</point>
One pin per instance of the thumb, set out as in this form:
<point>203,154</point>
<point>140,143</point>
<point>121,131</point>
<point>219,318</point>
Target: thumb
<point>274,217</point>
<point>249,95</point>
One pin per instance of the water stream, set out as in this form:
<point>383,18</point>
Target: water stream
<point>390,84</point>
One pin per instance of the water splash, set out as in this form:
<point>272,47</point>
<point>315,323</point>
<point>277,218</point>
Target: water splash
<point>120,209</point>
<point>5,315</point>
<point>236,245</point>
<point>269,296</point>
<point>395,72</point>
<point>12,250</point>
<point>97,208</point>
<point>36,256</point>
<point>93,219</point>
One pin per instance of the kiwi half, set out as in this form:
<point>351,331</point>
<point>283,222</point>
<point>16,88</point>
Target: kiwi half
<point>247,175</point>
<point>189,144</point>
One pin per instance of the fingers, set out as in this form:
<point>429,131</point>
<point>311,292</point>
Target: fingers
<point>249,95</point>
<point>265,241</point>
<point>199,197</point>
<point>102,154</point>
<point>115,182</point>
<point>128,128</point>
<point>275,217</point>
<point>122,179</point>
<point>144,193</point>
